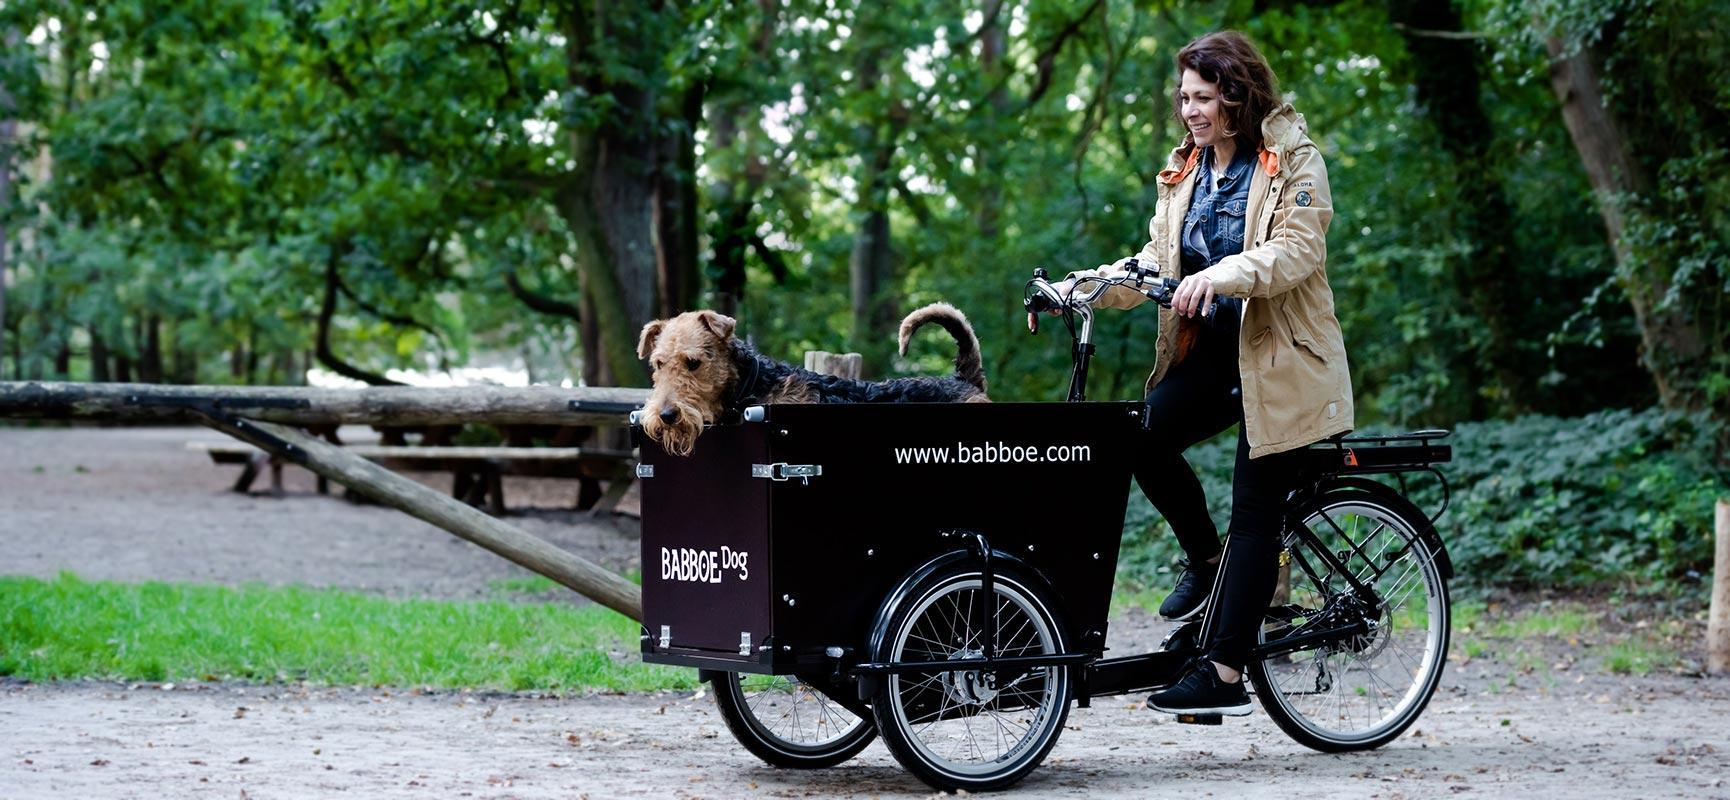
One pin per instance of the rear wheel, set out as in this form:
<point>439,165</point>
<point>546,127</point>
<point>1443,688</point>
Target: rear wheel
<point>969,729</point>
<point>1358,692</point>
<point>789,723</point>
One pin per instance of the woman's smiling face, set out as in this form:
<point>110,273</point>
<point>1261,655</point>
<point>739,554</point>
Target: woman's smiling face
<point>1201,108</point>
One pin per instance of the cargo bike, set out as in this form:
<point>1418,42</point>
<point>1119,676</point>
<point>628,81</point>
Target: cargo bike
<point>941,575</point>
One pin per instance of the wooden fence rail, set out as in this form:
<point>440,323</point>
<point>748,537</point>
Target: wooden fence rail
<point>299,405</point>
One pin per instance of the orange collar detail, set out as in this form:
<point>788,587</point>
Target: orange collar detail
<point>1268,158</point>
<point>1176,176</point>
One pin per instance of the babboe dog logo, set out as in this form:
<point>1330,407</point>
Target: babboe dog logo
<point>702,566</point>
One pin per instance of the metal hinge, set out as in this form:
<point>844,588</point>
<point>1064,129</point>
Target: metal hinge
<point>666,636</point>
<point>744,643</point>
<point>645,470</point>
<point>781,471</point>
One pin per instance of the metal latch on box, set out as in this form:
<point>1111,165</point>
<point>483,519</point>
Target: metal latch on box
<point>744,643</point>
<point>666,636</point>
<point>782,471</point>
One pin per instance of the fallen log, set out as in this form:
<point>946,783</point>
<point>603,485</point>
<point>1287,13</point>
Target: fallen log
<point>298,405</point>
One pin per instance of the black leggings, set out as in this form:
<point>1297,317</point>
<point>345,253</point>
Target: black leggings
<point>1197,399</point>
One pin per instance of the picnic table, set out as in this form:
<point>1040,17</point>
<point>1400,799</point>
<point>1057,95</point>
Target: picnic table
<point>477,471</point>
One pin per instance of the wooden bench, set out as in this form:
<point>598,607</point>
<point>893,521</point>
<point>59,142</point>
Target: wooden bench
<point>478,471</point>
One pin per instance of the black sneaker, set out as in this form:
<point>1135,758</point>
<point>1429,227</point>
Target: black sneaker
<point>1190,596</point>
<point>1202,692</point>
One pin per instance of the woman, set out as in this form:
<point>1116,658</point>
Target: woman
<point>1242,216</point>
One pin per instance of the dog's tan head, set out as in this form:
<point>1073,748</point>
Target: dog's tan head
<point>691,372</point>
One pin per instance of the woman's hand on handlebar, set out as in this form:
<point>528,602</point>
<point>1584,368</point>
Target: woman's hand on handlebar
<point>1063,289</point>
<point>1193,294</point>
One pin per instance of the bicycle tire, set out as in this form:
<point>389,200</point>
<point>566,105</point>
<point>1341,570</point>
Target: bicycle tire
<point>1318,710</point>
<point>760,721</point>
<point>935,625</point>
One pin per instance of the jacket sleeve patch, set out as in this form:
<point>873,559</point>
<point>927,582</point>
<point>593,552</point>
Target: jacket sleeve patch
<point>1303,198</point>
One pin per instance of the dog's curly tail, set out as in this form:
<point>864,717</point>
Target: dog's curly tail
<point>968,366</point>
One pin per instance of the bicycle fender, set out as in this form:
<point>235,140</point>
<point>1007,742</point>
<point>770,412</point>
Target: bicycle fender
<point>1426,530</point>
<point>902,593</point>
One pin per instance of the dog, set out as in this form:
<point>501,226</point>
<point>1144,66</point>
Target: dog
<point>702,374</point>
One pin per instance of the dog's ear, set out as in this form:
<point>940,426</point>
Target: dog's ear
<point>719,324</point>
<point>651,332</point>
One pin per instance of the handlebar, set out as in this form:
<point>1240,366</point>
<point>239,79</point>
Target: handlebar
<point>1040,296</point>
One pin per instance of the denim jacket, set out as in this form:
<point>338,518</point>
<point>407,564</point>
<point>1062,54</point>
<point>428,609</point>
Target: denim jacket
<point>1214,226</point>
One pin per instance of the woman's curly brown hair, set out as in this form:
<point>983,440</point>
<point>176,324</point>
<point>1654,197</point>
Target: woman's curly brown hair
<point>1247,87</point>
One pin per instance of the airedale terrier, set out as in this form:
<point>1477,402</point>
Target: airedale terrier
<point>703,374</point>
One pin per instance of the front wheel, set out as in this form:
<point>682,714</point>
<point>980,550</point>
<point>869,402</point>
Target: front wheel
<point>789,723</point>
<point>969,729</point>
<point>1359,692</point>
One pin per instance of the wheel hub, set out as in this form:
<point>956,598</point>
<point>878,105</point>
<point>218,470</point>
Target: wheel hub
<point>971,686</point>
<point>1375,638</point>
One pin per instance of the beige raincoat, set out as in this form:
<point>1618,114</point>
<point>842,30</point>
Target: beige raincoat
<point>1291,355</point>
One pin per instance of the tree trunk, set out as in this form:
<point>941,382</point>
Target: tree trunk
<point>63,359</point>
<point>733,200</point>
<point>1665,338</point>
<point>150,361</point>
<point>1448,86</point>
<point>185,361</point>
<point>992,42</point>
<point>871,265</point>
<point>7,126</point>
<point>733,122</point>
<point>250,369</point>
<point>327,310</point>
<point>608,202</point>
<point>675,210</point>
<point>1718,621</point>
<point>98,358</point>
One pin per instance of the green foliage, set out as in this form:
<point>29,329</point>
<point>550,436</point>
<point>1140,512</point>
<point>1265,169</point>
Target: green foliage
<point>70,628</point>
<point>1612,498</point>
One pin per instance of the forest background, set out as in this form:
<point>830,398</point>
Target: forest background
<point>1530,240</point>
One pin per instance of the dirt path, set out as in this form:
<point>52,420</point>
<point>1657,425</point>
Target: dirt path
<point>1663,738</point>
<point>134,505</point>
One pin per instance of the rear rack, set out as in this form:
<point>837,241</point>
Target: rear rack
<point>1369,455</point>
<point>1395,454</point>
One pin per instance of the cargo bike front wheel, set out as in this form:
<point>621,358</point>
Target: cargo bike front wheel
<point>789,723</point>
<point>972,729</point>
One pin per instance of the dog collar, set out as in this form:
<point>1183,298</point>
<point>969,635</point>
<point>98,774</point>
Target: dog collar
<point>742,386</point>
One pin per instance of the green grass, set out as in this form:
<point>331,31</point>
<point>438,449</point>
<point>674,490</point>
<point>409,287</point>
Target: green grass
<point>1638,656</point>
<point>1128,595</point>
<point>532,584</point>
<point>69,628</point>
<point>541,584</point>
<point>1561,620</point>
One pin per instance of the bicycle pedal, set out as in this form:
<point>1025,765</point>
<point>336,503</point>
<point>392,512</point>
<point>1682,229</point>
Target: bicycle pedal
<point>1200,719</point>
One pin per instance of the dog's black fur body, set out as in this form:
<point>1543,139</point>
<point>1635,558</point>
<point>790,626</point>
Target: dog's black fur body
<point>763,380</point>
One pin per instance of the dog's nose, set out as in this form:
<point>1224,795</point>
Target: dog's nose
<point>669,415</point>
